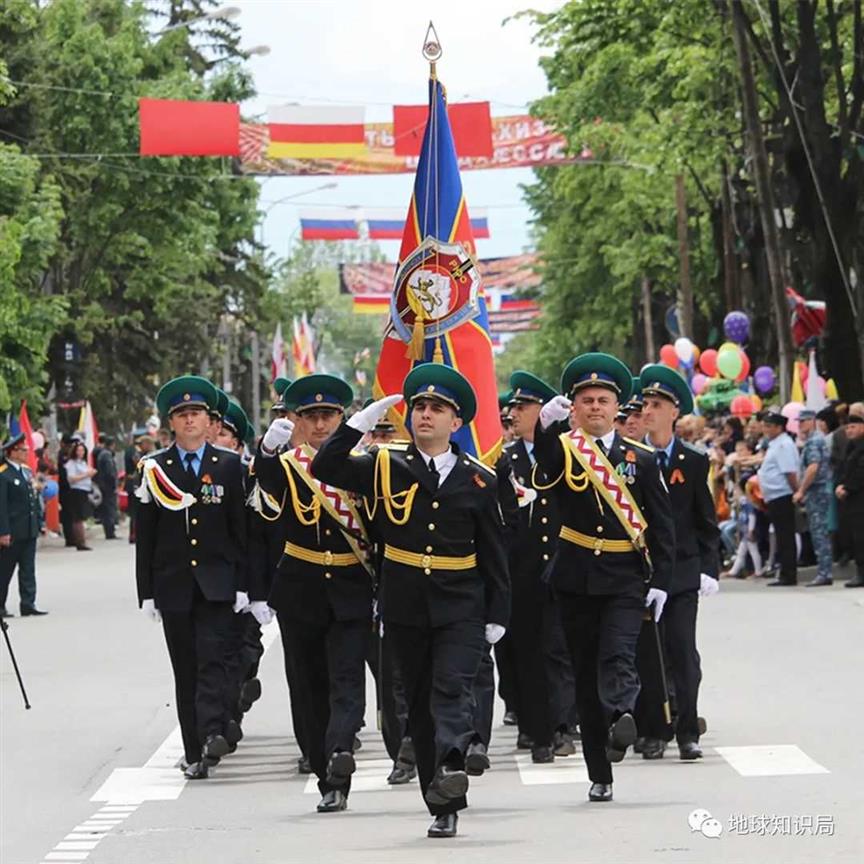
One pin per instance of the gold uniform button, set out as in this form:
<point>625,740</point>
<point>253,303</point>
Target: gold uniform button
<point>194,521</point>
<point>435,505</point>
<point>194,542</point>
<point>596,551</point>
<point>431,526</point>
<point>545,539</point>
<point>429,549</point>
<point>543,501</point>
<point>194,563</point>
<point>599,529</point>
<point>327,532</point>
<point>544,520</point>
<point>328,560</point>
<point>545,557</point>
<point>328,575</point>
<point>428,572</point>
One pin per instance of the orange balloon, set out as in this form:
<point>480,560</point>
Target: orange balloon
<point>669,356</point>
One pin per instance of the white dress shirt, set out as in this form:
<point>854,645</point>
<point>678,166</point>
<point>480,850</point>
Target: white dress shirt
<point>444,462</point>
<point>607,440</point>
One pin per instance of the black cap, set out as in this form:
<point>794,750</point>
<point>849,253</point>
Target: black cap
<point>854,418</point>
<point>9,443</point>
<point>775,418</point>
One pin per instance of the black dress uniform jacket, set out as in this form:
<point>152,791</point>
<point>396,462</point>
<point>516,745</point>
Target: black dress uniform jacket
<point>459,518</point>
<point>696,533</point>
<point>204,544</point>
<point>577,569</point>
<point>302,590</point>
<point>19,504</point>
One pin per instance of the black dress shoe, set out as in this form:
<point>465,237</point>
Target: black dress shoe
<point>563,744</point>
<point>333,801</point>
<point>638,744</point>
<point>32,610</point>
<point>777,583</point>
<point>477,759</point>
<point>233,733</point>
<point>689,750</point>
<point>702,725</point>
<point>357,745</point>
<point>197,771</point>
<point>510,718</point>
<point>524,742</point>
<point>250,692</point>
<point>447,784</point>
<point>340,768</point>
<point>443,826</point>
<point>856,581</point>
<point>600,792</point>
<point>542,755</point>
<point>304,766</point>
<point>400,776</point>
<point>622,733</point>
<point>818,582</point>
<point>653,748</point>
<point>215,747</point>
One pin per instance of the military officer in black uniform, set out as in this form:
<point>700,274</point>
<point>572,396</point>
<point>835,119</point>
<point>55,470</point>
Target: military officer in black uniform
<point>191,562</point>
<point>19,526</point>
<point>444,583</point>
<point>322,591</point>
<point>666,395</point>
<point>615,550</point>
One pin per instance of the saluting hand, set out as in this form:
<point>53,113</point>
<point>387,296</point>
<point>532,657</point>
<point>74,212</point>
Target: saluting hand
<point>365,419</point>
<point>555,410</point>
<point>279,433</point>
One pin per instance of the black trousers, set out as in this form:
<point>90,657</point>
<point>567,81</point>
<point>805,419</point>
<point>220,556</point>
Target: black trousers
<point>392,708</point>
<point>294,694</point>
<point>531,673</point>
<point>329,658</point>
<point>483,697</point>
<point>20,554</point>
<point>601,633</point>
<point>650,714</point>
<point>197,640</point>
<point>109,511</point>
<point>438,666</point>
<point>781,512</point>
<point>506,671</point>
<point>559,669</point>
<point>242,657</point>
<point>679,630</point>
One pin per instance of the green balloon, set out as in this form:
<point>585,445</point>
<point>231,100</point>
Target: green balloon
<point>729,363</point>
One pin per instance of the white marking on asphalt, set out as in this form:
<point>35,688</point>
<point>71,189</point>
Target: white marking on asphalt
<point>770,760</point>
<point>66,856</point>
<point>565,770</point>
<point>79,845</point>
<point>370,776</point>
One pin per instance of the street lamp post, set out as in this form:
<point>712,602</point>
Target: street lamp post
<point>270,205</point>
<point>220,12</point>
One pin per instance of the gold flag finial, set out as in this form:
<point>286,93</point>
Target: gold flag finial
<point>432,50</point>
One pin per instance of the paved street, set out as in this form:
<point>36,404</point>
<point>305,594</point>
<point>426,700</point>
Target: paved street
<point>87,773</point>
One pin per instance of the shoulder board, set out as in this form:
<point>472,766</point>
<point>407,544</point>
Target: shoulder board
<point>152,455</point>
<point>694,451</point>
<point>640,444</point>
<point>480,464</point>
<point>3,467</point>
<point>223,449</point>
<point>400,446</point>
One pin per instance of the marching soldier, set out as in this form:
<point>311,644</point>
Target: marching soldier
<point>322,591</point>
<point>666,395</point>
<point>444,585</point>
<point>191,562</point>
<point>615,551</point>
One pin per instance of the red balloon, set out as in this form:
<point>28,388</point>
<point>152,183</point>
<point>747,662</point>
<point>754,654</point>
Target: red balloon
<point>804,372</point>
<point>741,406</point>
<point>745,367</point>
<point>669,356</point>
<point>708,362</point>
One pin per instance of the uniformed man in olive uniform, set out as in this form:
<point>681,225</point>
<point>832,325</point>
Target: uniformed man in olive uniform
<point>191,562</point>
<point>322,592</point>
<point>615,550</point>
<point>444,583</point>
<point>19,526</point>
<point>666,395</point>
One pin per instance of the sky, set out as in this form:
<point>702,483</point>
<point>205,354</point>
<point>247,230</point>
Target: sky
<point>368,52</point>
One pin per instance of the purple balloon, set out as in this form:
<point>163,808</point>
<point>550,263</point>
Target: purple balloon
<point>736,326</point>
<point>763,378</point>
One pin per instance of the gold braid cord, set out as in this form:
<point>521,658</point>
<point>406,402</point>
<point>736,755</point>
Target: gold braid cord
<point>302,510</point>
<point>577,482</point>
<point>394,502</point>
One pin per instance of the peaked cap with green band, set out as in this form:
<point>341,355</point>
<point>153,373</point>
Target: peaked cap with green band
<point>597,370</point>
<point>235,419</point>
<point>318,391</point>
<point>504,399</point>
<point>440,382</point>
<point>186,391</point>
<point>221,405</point>
<point>657,379</point>
<point>526,387</point>
<point>280,385</point>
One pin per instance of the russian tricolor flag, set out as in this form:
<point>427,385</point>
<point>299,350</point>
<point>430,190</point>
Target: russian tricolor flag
<point>332,224</point>
<point>390,225</point>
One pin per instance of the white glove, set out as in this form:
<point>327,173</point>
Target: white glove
<point>366,418</point>
<point>262,612</point>
<point>708,585</point>
<point>658,598</point>
<point>494,632</point>
<point>148,607</point>
<point>241,601</point>
<point>279,433</point>
<point>556,409</point>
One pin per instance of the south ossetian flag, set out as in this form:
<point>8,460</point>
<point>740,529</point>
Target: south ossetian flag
<point>316,132</point>
<point>438,210</point>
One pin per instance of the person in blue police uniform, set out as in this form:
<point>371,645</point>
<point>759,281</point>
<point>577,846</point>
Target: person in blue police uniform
<point>615,550</point>
<point>444,582</point>
<point>19,526</point>
<point>322,591</point>
<point>666,395</point>
<point>190,562</point>
<point>530,554</point>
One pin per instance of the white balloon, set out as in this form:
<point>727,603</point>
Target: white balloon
<point>684,349</point>
<point>38,440</point>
